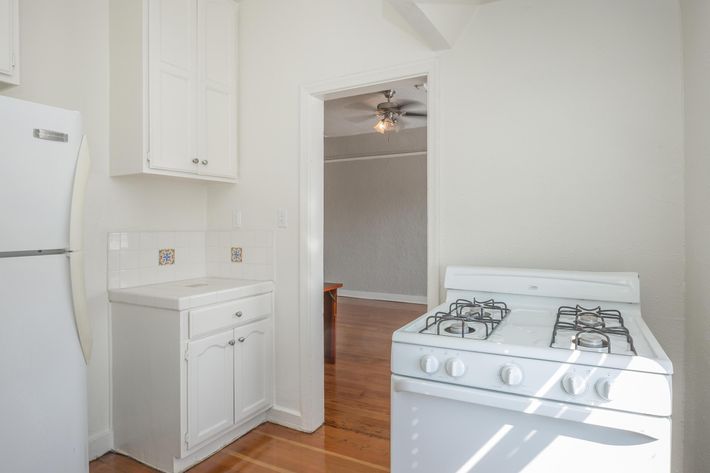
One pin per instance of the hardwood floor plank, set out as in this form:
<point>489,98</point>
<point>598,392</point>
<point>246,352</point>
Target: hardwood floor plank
<point>355,436</point>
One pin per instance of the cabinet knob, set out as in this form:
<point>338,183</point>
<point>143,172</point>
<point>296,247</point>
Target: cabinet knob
<point>195,161</point>
<point>238,314</point>
<point>241,339</point>
<point>231,342</point>
<point>204,162</point>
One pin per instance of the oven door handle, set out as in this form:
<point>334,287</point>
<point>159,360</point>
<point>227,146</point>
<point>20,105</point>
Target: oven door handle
<point>647,425</point>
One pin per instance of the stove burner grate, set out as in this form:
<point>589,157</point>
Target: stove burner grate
<point>465,317</point>
<point>593,328</point>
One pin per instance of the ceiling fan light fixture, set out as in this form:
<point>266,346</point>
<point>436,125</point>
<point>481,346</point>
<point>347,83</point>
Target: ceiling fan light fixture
<point>386,123</point>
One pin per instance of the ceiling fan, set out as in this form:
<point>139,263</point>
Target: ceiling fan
<point>390,114</point>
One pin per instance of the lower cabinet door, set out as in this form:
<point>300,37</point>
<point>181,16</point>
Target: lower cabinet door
<point>253,368</point>
<point>210,387</point>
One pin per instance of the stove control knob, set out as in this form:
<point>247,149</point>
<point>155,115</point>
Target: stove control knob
<point>455,367</point>
<point>429,364</point>
<point>511,375</point>
<point>574,384</point>
<point>605,389</point>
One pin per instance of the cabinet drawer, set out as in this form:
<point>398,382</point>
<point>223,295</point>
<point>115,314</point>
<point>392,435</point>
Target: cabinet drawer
<point>228,314</point>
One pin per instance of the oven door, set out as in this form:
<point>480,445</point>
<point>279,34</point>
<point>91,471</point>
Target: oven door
<point>443,428</point>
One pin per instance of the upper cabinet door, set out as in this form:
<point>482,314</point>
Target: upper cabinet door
<point>253,367</point>
<point>217,87</point>
<point>210,380</point>
<point>9,41</point>
<point>172,59</point>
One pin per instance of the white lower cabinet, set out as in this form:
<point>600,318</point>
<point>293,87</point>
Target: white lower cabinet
<point>252,368</point>
<point>188,382</point>
<point>210,387</point>
<point>229,378</point>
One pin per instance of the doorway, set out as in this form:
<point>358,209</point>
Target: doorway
<point>311,250</point>
<point>375,244</point>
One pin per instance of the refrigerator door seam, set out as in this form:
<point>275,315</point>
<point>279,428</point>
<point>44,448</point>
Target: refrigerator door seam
<point>22,253</point>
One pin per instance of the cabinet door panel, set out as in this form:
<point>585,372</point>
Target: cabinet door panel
<point>210,379</point>
<point>217,128</point>
<point>9,39</point>
<point>253,367</point>
<point>172,79</point>
<point>7,21</point>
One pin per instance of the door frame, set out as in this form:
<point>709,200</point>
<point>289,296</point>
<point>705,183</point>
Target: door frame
<point>311,216</point>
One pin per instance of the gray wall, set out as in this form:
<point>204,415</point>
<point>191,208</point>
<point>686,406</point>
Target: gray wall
<point>696,19</point>
<point>375,215</point>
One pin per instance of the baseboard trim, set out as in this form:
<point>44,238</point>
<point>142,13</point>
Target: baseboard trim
<point>100,443</point>
<point>286,417</point>
<point>383,296</point>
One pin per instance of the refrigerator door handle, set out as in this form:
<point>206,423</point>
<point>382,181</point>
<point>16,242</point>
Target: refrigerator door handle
<point>76,257</point>
<point>81,175</point>
<point>78,292</point>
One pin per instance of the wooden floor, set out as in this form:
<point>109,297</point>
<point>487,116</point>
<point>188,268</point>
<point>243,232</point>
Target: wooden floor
<point>355,437</point>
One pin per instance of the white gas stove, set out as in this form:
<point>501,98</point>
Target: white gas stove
<point>531,370</point>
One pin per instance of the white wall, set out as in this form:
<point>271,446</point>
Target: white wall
<point>560,128</point>
<point>64,54</point>
<point>696,28</point>
<point>375,225</point>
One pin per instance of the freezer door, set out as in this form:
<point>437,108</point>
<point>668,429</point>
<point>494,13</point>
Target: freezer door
<point>43,400</point>
<point>38,152</point>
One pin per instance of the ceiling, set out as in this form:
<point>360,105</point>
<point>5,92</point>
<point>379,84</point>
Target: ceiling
<point>355,115</point>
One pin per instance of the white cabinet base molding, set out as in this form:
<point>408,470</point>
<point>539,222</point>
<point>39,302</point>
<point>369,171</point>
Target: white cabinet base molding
<point>188,381</point>
<point>174,88</point>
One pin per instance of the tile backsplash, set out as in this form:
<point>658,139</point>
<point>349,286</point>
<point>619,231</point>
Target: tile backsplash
<point>134,258</point>
<point>255,259</point>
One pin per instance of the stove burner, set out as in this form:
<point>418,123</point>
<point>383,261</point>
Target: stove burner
<point>460,328</point>
<point>465,317</point>
<point>592,340</point>
<point>590,320</point>
<point>592,329</point>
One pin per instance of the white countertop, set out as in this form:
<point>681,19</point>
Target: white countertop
<point>190,293</point>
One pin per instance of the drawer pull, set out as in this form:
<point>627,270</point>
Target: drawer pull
<point>231,342</point>
<point>238,314</point>
<point>241,339</point>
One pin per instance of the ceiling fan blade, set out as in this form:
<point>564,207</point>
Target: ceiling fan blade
<point>362,119</point>
<point>415,114</point>
<point>360,107</point>
<point>410,103</point>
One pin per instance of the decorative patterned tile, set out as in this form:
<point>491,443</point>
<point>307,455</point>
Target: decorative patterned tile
<point>166,256</point>
<point>237,254</point>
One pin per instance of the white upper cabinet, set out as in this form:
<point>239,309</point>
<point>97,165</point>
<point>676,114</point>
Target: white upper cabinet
<point>174,88</point>
<point>216,82</point>
<point>9,41</point>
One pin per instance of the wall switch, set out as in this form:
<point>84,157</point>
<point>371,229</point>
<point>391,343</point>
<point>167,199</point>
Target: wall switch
<point>282,218</point>
<point>237,218</point>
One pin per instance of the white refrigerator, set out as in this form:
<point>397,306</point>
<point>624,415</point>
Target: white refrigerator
<point>44,332</point>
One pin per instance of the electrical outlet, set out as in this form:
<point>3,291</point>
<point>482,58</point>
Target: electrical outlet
<point>282,218</point>
<point>237,218</point>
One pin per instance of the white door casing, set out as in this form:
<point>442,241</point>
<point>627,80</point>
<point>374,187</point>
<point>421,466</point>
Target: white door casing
<point>311,221</point>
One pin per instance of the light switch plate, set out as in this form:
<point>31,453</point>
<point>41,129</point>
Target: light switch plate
<point>282,218</point>
<point>237,218</point>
